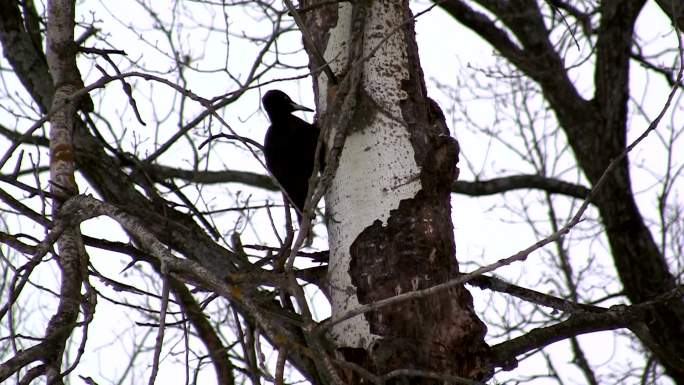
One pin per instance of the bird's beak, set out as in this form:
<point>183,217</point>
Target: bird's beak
<point>299,107</point>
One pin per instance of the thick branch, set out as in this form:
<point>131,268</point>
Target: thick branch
<point>160,173</point>
<point>674,9</point>
<point>536,58</point>
<point>519,182</point>
<point>472,188</point>
<point>21,360</point>
<point>615,317</point>
<point>529,295</point>
<point>27,60</point>
<point>505,353</point>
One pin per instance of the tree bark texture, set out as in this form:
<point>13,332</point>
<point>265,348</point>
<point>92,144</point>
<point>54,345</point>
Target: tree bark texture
<point>388,204</point>
<point>61,60</point>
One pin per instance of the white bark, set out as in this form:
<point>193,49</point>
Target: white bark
<point>377,168</point>
<point>336,53</point>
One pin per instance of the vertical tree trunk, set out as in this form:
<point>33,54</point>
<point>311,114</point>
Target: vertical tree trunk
<point>61,60</point>
<point>389,210</point>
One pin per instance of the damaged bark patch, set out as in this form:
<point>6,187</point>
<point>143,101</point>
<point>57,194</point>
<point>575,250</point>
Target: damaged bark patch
<point>440,332</point>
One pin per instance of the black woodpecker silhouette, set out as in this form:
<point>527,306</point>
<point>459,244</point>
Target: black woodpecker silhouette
<point>289,146</point>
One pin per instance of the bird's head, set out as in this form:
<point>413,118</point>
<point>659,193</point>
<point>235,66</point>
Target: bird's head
<point>276,103</point>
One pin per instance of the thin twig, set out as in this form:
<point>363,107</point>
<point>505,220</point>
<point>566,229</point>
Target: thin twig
<point>280,367</point>
<point>162,327</point>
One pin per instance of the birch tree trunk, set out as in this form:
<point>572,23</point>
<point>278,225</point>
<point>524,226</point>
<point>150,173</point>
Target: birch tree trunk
<point>388,202</point>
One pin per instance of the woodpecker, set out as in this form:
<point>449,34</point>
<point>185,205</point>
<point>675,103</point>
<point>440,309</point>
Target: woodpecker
<point>289,146</point>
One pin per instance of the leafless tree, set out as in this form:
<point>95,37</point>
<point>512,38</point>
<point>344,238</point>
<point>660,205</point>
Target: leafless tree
<point>142,241</point>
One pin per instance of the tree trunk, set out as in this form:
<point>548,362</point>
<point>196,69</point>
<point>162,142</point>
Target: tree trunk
<point>388,204</point>
<point>71,257</point>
